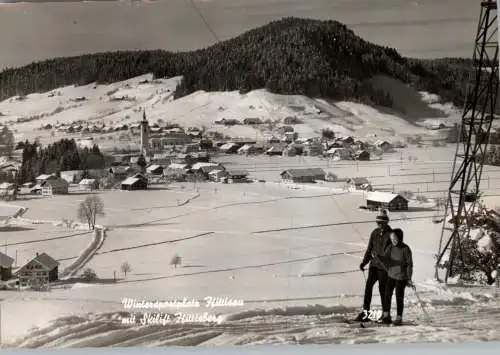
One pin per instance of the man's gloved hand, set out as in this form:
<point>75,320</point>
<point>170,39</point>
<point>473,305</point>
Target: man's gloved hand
<point>362,266</point>
<point>410,284</point>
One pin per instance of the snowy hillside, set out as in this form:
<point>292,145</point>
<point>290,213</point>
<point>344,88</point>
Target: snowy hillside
<point>120,103</point>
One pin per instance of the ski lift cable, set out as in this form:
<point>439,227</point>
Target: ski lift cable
<point>217,39</point>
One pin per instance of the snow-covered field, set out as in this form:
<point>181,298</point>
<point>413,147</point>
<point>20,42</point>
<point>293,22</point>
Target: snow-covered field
<point>290,252</point>
<point>266,244</point>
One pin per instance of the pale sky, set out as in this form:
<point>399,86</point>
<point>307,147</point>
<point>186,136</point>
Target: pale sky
<point>28,31</point>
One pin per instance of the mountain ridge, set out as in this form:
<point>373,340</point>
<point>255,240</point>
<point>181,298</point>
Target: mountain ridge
<point>323,59</point>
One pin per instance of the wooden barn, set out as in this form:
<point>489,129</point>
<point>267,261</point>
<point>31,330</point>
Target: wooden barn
<point>387,200</point>
<point>235,176</point>
<point>39,271</point>
<point>303,175</point>
<point>5,267</point>
<point>136,182</point>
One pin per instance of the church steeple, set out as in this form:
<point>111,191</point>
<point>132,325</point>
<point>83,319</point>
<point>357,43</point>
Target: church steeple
<point>144,134</point>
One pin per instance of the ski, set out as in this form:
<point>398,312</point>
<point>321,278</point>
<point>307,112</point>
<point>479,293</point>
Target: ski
<point>377,324</point>
<point>371,324</point>
<point>352,321</point>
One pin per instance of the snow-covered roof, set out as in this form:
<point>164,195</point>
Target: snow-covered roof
<point>153,167</point>
<point>44,260</point>
<point>6,185</point>
<point>87,181</point>
<point>44,176</point>
<point>200,165</point>
<point>381,196</point>
<point>130,181</point>
<point>305,172</point>
<point>177,166</point>
<point>359,180</point>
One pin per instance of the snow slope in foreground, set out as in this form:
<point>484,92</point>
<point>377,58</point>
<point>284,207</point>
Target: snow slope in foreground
<point>459,317</point>
<point>119,103</point>
<point>296,283</point>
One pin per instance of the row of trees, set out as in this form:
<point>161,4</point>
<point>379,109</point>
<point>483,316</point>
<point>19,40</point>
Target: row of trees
<point>60,156</point>
<point>289,56</point>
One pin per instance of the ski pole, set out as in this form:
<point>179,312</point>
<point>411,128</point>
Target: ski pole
<point>428,319</point>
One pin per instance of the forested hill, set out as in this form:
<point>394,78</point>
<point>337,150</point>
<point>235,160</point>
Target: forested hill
<point>290,56</point>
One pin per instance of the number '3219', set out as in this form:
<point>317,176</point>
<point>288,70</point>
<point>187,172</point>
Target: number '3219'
<point>372,315</point>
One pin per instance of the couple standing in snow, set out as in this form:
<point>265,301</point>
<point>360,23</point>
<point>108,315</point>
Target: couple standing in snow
<point>391,264</point>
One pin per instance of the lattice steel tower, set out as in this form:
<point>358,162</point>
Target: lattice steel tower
<point>475,128</point>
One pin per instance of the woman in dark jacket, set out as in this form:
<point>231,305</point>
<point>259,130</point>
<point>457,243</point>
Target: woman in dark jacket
<point>399,264</point>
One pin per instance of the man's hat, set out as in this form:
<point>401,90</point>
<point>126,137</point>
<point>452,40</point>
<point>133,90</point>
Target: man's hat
<point>382,216</point>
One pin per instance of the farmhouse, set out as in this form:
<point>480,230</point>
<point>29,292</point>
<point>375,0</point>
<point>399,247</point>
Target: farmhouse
<point>136,182</point>
<point>359,183</point>
<point>54,186</point>
<point>9,169</point>
<point>154,169</point>
<point>383,145</point>
<point>39,270</point>
<point>6,189</point>
<point>44,177</point>
<point>176,172</point>
<point>276,149</point>
<point>362,155</point>
<point>89,184</point>
<point>387,200</point>
<point>5,267</point>
<point>202,157</point>
<point>339,153</point>
<point>313,149</point>
<point>217,175</point>
<point>347,139</point>
<point>234,176</point>
<point>303,175</point>
<point>119,172</point>
<point>251,149</point>
<point>202,170</point>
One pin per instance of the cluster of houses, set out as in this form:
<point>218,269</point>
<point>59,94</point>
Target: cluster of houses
<point>159,135</point>
<point>374,199</point>
<point>37,272</point>
<point>344,148</point>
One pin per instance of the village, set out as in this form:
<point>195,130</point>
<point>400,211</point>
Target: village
<point>176,157</point>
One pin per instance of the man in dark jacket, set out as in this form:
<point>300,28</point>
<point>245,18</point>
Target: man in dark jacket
<point>379,240</point>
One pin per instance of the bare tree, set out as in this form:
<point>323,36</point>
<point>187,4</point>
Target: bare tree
<point>176,260</point>
<point>89,209</point>
<point>89,275</point>
<point>68,223</point>
<point>126,268</point>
